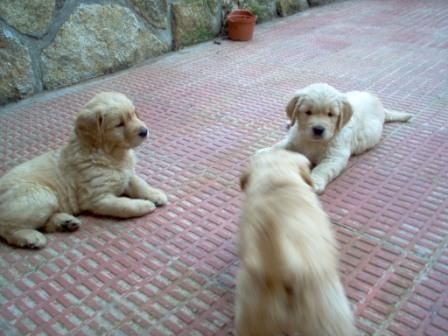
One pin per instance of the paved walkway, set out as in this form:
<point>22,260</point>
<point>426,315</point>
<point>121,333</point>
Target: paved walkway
<point>209,108</point>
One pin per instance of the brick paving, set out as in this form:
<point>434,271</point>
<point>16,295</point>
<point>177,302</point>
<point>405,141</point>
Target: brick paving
<point>211,106</point>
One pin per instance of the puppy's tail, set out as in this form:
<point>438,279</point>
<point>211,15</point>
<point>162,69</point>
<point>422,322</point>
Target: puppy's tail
<point>392,115</point>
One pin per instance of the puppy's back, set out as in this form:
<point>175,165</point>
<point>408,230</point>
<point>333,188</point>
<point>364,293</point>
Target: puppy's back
<point>289,248</point>
<point>286,219</point>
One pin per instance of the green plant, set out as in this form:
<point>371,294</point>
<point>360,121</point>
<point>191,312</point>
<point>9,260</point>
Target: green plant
<point>255,8</point>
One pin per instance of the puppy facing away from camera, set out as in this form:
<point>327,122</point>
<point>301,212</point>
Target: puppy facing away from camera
<point>94,172</point>
<point>288,280</point>
<point>328,126</point>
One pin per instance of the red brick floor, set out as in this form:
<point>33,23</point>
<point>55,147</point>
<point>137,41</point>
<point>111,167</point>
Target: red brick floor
<point>211,106</point>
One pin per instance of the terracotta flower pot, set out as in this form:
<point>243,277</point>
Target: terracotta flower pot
<point>240,25</point>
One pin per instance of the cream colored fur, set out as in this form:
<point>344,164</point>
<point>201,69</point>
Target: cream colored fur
<point>352,123</point>
<point>94,172</point>
<point>288,279</point>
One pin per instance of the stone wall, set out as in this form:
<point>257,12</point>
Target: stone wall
<point>48,44</point>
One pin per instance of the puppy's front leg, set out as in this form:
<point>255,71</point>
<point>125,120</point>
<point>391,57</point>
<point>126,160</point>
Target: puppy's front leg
<point>138,188</point>
<point>121,207</point>
<point>328,169</point>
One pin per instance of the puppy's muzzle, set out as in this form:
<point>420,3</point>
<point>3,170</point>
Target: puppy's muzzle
<point>318,131</point>
<point>143,132</point>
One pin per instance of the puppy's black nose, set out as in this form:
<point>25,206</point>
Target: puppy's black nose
<point>143,132</point>
<point>318,130</point>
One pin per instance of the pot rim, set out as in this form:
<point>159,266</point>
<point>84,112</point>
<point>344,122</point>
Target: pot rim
<point>241,12</point>
<point>241,19</point>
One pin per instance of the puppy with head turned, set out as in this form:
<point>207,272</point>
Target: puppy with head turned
<point>288,280</point>
<point>94,172</point>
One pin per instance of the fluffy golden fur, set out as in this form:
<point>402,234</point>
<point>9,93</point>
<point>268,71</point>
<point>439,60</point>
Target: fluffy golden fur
<point>328,126</point>
<point>288,279</point>
<point>94,172</point>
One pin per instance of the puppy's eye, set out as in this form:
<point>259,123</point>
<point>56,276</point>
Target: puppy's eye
<point>330,114</point>
<point>120,124</point>
<point>308,113</point>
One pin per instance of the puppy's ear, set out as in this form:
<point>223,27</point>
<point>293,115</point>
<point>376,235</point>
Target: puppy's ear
<point>89,126</point>
<point>292,109</point>
<point>244,178</point>
<point>345,115</point>
<point>305,174</point>
<point>304,169</point>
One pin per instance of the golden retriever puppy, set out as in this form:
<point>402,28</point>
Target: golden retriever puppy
<point>94,172</point>
<point>328,126</point>
<point>288,280</point>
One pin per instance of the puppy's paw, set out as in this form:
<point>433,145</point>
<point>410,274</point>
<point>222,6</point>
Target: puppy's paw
<point>318,189</point>
<point>144,207</point>
<point>70,225</point>
<point>318,184</point>
<point>28,239</point>
<point>62,222</point>
<point>158,197</point>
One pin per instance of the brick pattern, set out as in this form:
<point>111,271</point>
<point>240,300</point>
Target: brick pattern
<point>209,108</point>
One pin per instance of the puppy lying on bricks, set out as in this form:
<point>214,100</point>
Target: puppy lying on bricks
<point>94,172</point>
<point>328,126</point>
<point>288,280</point>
